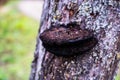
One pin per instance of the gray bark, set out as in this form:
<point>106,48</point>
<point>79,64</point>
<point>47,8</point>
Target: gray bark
<point>100,63</point>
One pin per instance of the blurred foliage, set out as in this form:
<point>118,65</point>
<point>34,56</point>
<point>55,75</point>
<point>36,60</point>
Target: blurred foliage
<point>17,43</point>
<point>117,77</point>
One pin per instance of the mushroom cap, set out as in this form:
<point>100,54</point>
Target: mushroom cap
<point>64,41</point>
<point>62,36</point>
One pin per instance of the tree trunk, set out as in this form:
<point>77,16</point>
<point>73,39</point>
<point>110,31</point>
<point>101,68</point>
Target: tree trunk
<point>100,63</point>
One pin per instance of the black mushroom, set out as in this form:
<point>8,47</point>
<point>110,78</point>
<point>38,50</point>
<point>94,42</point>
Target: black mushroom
<point>68,41</point>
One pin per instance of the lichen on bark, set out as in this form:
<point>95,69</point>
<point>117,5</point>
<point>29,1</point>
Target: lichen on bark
<point>100,63</point>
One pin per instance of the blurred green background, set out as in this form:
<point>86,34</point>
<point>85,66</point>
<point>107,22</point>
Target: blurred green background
<point>17,41</point>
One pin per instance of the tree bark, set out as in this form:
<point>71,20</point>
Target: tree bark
<point>100,63</point>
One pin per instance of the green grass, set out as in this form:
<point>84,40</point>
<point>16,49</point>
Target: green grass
<point>17,44</point>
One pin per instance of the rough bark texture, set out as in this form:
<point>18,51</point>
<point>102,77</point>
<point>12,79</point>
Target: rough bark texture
<point>100,63</point>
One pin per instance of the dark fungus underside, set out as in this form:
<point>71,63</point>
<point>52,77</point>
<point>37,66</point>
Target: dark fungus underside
<point>63,41</point>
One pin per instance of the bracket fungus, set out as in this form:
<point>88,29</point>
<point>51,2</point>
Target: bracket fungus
<point>67,41</point>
